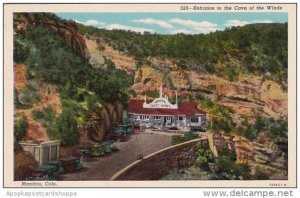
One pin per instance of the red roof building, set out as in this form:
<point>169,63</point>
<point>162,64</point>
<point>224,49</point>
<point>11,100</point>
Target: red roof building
<point>161,113</point>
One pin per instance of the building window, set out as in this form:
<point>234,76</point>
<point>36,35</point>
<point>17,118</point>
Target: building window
<point>144,117</point>
<point>195,119</point>
<point>156,117</point>
<point>169,118</point>
<point>180,118</point>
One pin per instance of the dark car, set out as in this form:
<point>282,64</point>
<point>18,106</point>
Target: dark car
<point>109,147</point>
<point>57,165</point>
<point>85,152</point>
<point>116,136</point>
<point>173,128</point>
<point>44,172</point>
<point>72,162</point>
<point>198,128</point>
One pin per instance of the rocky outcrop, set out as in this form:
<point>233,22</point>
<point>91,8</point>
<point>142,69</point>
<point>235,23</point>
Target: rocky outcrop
<point>247,96</point>
<point>64,29</point>
<point>109,116</point>
<point>270,157</point>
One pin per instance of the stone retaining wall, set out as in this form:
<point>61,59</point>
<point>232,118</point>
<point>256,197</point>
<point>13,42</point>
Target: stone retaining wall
<point>159,164</point>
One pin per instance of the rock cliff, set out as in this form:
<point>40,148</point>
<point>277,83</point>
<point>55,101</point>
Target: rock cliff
<point>64,29</point>
<point>269,157</point>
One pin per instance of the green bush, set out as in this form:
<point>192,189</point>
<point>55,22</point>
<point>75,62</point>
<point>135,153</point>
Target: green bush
<point>178,139</point>
<point>20,126</point>
<point>232,72</point>
<point>274,128</point>
<point>190,135</point>
<point>21,48</point>
<point>44,116</point>
<point>204,156</point>
<point>227,169</point>
<point>220,116</point>
<point>64,128</point>
<point>187,136</point>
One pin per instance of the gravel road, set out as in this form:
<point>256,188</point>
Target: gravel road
<point>102,168</point>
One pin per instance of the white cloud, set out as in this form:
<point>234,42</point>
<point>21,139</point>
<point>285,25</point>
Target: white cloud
<point>124,27</point>
<point>263,21</point>
<point>236,23</point>
<point>206,30</point>
<point>177,31</point>
<point>196,26</point>
<point>231,23</point>
<point>151,21</point>
<point>91,22</point>
<point>193,24</point>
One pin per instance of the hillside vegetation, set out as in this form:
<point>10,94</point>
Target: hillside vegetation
<point>71,75</point>
<point>49,59</point>
<point>258,49</point>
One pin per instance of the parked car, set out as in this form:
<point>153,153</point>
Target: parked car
<point>85,152</point>
<point>68,165</point>
<point>173,128</point>
<point>96,150</point>
<point>114,136</point>
<point>109,147</point>
<point>44,172</point>
<point>57,164</point>
<point>75,159</point>
<point>198,128</point>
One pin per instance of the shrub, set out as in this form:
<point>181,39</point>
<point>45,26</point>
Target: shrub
<point>227,169</point>
<point>44,116</point>
<point>20,126</point>
<point>190,135</point>
<point>204,156</point>
<point>273,128</point>
<point>221,116</point>
<point>64,128</point>
<point>232,72</point>
<point>21,49</point>
<point>178,139</point>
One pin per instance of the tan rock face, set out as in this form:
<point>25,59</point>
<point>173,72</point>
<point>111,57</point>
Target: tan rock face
<point>121,60</point>
<point>20,79</point>
<point>49,98</point>
<point>246,96</point>
<point>96,57</point>
<point>276,100</point>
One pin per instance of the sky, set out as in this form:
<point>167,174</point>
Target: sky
<point>173,23</point>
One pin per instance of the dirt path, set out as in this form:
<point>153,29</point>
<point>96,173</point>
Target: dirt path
<point>102,168</point>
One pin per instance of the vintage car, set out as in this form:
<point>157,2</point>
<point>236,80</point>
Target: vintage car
<point>72,163</point>
<point>119,136</point>
<point>198,128</point>
<point>96,150</point>
<point>44,172</point>
<point>109,147</point>
<point>57,165</point>
<point>85,152</point>
<point>126,128</point>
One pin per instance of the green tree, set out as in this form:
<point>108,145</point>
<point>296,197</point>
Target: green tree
<point>64,128</point>
<point>20,127</point>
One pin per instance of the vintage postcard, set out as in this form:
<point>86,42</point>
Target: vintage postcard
<point>150,95</point>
